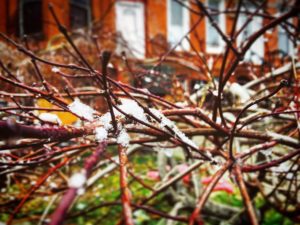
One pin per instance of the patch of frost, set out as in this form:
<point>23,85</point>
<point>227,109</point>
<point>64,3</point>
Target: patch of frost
<point>81,109</point>
<point>49,117</point>
<point>283,167</point>
<point>131,107</point>
<point>55,69</point>
<point>168,152</point>
<point>241,92</point>
<point>166,122</point>
<point>77,180</point>
<point>105,120</point>
<point>123,138</point>
<point>280,137</point>
<point>101,134</point>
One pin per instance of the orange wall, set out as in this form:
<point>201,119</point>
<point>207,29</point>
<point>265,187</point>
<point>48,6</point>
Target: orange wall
<point>3,16</point>
<point>12,18</point>
<point>156,24</point>
<point>62,10</point>
<point>272,35</point>
<point>96,11</point>
<point>198,34</point>
<point>156,17</point>
<point>104,12</point>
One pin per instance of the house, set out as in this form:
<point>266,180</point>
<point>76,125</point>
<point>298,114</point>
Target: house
<point>151,27</point>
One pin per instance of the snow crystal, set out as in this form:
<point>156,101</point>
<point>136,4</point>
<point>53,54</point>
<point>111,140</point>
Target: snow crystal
<point>229,116</point>
<point>80,191</point>
<point>52,185</point>
<point>280,137</point>
<point>101,134</point>
<point>77,180</point>
<point>81,109</point>
<point>105,120</point>
<point>55,69</point>
<point>289,176</point>
<point>148,79</point>
<point>49,117</point>
<point>123,138</point>
<point>218,120</point>
<point>197,86</point>
<point>267,152</point>
<point>181,104</point>
<point>215,93</point>
<point>283,167</point>
<point>166,122</point>
<point>241,92</point>
<point>184,138</point>
<point>209,155</point>
<point>110,65</point>
<point>131,107</point>
<point>168,152</point>
<point>80,206</point>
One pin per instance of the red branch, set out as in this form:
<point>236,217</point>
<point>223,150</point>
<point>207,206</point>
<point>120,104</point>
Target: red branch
<point>60,212</point>
<point>11,129</point>
<point>126,196</point>
<point>208,190</point>
<point>244,192</point>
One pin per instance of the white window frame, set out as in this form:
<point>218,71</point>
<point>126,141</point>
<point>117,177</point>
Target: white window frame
<point>137,43</point>
<point>257,47</point>
<point>281,30</point>
<point>183,30</point>
<point>222,24</point>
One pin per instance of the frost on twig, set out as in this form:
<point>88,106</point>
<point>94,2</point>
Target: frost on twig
<point>240,92</point>
<point>128,106</point>
<point>101,134</point>
<point>123,138</point>
<point>55,69</point>
<point>77,180</point>
<point>165,122</point>
<point>82,109</point>
<point>132,108</point>
<point>280,137</point>
<point>50,117</point>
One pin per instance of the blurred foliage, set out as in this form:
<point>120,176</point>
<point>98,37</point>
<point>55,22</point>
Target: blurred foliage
<point>274,218</point>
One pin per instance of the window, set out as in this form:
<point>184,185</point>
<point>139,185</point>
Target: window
<point>159,80</point>
<point>130,24</point>
<point>31,17</point>
<point>178,24</point>
<point>284,43</point>
<point>256,52</point>
<point>214,41</point>
<point>80,13</point>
